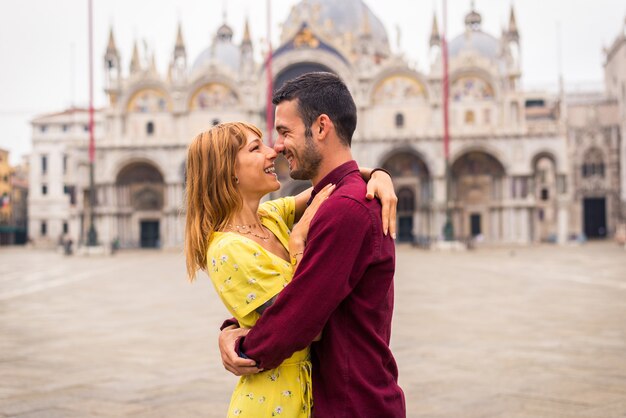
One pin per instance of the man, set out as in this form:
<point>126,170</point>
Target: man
<point>343,285</point>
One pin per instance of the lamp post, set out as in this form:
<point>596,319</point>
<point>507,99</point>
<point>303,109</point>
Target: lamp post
<point>448,228</point>
<point>92,236</point>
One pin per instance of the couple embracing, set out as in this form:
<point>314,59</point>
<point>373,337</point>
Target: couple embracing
<point>307,278</point>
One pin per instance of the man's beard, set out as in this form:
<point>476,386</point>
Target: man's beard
<point>309,160</point>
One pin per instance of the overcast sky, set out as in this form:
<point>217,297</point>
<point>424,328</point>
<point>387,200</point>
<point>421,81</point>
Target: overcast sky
<point>43,43</point>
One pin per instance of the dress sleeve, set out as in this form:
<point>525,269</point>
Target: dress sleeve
<point>243,276</point>
<point>284,208</point>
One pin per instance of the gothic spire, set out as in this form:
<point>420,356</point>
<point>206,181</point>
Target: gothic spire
<point>111,47</point>
<point>513,32</point>
<point>435,38</point>
<point>179,48</point>
<point>247,39</point>
<point>135,62</point>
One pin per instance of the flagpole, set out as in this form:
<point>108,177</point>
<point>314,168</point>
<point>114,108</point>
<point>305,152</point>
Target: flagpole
<point>448,229</point>
<point>269,109</point>
<point>92,236</point>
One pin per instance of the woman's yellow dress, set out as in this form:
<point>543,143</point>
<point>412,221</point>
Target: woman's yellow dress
<point>246,276</point>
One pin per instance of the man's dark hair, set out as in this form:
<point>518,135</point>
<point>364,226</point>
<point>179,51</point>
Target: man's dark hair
<point>318,93</point>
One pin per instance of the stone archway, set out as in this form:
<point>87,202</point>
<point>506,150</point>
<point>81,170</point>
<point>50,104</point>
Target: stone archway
<point>140,199</point>
<point>477,192</point>
<point>414,189</point>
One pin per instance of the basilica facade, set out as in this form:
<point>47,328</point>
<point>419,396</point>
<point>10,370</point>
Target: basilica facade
<point>525,166</point>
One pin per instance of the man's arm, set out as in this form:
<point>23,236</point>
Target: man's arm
<point>325,276</point>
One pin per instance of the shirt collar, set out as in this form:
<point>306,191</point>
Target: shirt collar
<point>334,177</point>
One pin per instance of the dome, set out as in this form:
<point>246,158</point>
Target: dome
<point>225,33</point>
<point>477,41</point>
<point>337,20</point>
<point>221,53</point>
<point>474,39</point>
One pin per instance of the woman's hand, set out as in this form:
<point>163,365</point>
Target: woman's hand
<point>230,359</point>
<point>297,239</point>
<point>381,186</point>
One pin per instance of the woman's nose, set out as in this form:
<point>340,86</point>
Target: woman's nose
<point>271,153</point>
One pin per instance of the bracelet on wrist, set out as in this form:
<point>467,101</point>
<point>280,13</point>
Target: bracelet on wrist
<point>294,260</point>
<point>379,169</point>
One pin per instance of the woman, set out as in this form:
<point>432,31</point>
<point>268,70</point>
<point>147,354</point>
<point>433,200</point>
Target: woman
<point>250,250</point>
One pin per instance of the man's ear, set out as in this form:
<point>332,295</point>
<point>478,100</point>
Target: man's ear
<point>324,125</point>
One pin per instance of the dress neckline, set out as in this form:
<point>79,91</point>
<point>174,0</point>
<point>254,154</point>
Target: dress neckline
<point>270,227</point>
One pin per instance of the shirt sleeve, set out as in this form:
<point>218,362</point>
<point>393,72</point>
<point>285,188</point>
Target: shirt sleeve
<point>284,208</point>
<point>244,277</point>
<point>338,236</point>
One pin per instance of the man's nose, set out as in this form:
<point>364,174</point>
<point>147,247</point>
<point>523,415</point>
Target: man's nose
<point>279,145</point>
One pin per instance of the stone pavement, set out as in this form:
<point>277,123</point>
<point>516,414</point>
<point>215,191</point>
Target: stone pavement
<point>525,332</point>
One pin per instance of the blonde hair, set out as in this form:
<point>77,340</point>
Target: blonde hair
<point>211,195</point>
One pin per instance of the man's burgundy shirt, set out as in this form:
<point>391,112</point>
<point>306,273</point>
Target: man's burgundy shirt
<point>343,286</point>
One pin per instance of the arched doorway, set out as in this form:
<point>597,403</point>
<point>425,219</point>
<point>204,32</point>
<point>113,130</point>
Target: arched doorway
<point>406,208</point>
<point>413,187</point>
<point>297,70</point>
<point>594,201</point>
<point>140,191</point>
<point>292,72</point>
<point>476,193</point>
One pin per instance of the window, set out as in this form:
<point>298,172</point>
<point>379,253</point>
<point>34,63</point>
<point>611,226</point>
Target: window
<point>44,189</point>
<point>469,117</point>
<point>150,128</point>
<point>593,163</point>
<point>545,194</point>
<point>64,164</point>
<point>44,164</point>
<point>43,128</point>
<point>540,214</point>
<point>399,120</point>
<point>599,169</point>
<point>71,191</point>
<point>44,228</point>
<point>65,227</point>
<point>86,128</point>
<point>65,128</point>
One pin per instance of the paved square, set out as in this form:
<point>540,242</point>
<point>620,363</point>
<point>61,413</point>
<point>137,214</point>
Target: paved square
<point>525,332</point>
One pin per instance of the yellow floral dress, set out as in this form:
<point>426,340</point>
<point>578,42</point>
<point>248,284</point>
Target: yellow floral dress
<point>246,276</point>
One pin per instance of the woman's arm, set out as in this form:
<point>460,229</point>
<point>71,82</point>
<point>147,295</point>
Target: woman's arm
<point>301,199</point>
<point>379,185</point>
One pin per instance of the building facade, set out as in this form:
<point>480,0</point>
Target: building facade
<point>5,197</point>
<point>13,201</point>
<point>514,158</point>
